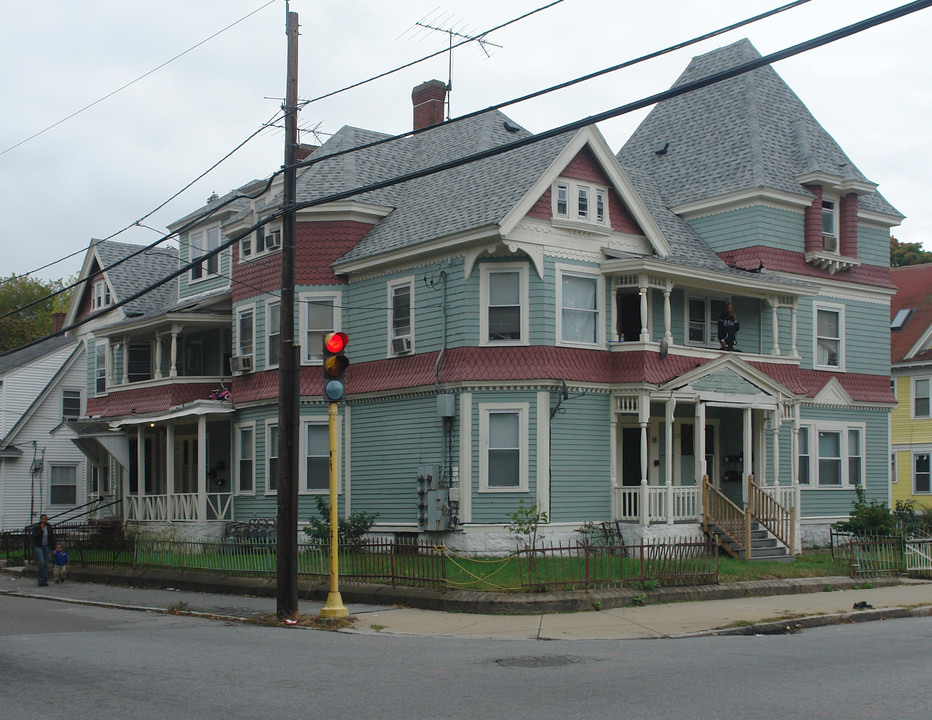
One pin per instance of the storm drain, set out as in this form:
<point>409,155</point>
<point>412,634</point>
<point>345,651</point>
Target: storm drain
<point>539,662</point>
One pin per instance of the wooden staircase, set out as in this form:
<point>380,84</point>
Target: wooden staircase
<point>763,531</point>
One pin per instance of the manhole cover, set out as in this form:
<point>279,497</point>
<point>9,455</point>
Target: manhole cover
<point>539,662</point>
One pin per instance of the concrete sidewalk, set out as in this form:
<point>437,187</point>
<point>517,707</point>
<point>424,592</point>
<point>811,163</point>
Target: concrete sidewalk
<point>758,614</point>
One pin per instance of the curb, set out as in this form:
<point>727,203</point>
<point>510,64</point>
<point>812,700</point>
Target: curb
<point>794,625</point>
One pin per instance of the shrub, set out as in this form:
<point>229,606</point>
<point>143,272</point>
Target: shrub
<point>350,530</point>
<point>868,518</point>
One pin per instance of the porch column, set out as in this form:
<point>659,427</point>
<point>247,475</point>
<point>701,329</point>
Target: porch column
<point>643,420</point>
<point>157,360</point>
<point>668,459</point>
<point>793,351</point>
<point>140,470</point>
<point>111,365</point>
<point>173,353</point>
<point>125,346</point>
<point>748,447</point>
<point>613,467</point>
<point>775,322</point>
<point>775,428</point>
<point>797,496</point>
<point>642,292</point>
<point>699,436</point>
<point>170,468</point>
<point>202,467</point>
<point>667,323</point>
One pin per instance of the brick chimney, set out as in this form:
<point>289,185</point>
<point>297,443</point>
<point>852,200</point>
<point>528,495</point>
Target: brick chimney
<point>305,151</point>
<point>428,99</point>
<point>58,321</point>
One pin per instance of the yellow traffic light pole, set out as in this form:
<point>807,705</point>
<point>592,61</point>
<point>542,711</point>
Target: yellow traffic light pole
<point>334,607</point>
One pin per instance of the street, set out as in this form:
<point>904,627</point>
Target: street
<point>73,661</point>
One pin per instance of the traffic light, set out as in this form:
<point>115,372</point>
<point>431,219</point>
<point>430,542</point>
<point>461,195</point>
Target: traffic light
<point>335,364</point>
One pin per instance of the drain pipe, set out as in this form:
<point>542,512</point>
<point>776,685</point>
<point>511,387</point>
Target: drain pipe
<point>443,347</point>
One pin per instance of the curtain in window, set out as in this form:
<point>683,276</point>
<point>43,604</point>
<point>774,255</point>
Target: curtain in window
<point>579,309</point>
<point>828,337</point>
<point>504,306</point>
<point>504,450</point>
<point>829,458</point>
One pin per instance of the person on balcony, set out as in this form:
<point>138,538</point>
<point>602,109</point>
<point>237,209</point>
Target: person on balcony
<point>728,328</point>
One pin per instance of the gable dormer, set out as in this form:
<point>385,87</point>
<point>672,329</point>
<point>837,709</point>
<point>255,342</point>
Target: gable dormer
<point>830,224</point>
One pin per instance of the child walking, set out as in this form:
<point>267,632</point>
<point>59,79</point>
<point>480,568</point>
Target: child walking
<point>60,559</point>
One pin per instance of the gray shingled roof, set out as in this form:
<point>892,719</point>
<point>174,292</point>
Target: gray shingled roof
<point>748,132</point>
<point>17,358</point>
<point>140,272</point>
<point>456,200</point>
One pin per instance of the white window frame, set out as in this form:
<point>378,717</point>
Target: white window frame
<point>312,354</point>
<point>134,347</point>
<point>74,469</point>
<point>523,410</point>
<point>101,374</point>
<point>710,323</point>
<point>393,333</point>
<point>914,455</point>
<point>835,209</point>
<point>486,270</point>
<point>842,429</point>
<point>840,311</point>
<point>567,208</point>
<point>599,310</point>
<point>894,477</point>
<point>271,425</point>
<point>100,295</point>
<point>927,381</point>
<point>249,245</point>
<point>318,421</point>
<point>80,403</point>
<point>273,309</point>
<point>240,350</point>
<point>238,440</point>
<point>200,242</point>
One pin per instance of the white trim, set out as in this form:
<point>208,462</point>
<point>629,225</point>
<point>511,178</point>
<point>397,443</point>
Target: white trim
<point>912,397</point>
<point>485,270</point>
<point>203,247</point>
<point>239,311</point>
<point>840,310</point>
<point>467,443</point>
<point>67,464</point>
<point>842,428</point>
<point>912,470</point>
<point>237,458</point>
<point>572,217</point>
<point>589,274</point>
<point>710,322</point>
<point>270,229</point>
<point>269,424</point>
<point>318,421</point>
<point>522,410</point>
<point>391,287</point>
<point>543,451</point>
<point>269,303</point>
<point>312,352</point>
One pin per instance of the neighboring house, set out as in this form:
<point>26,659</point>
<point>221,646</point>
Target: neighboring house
<point>536,326</point>
<point>911,360</point>
<point>41,387</point>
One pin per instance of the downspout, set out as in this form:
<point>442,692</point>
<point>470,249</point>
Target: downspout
<point>447,424</point>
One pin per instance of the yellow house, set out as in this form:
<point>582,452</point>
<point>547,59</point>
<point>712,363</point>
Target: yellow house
<point>911,381</point>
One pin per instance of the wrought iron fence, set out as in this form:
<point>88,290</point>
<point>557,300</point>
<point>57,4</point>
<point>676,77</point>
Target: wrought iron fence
<point>583,566</point>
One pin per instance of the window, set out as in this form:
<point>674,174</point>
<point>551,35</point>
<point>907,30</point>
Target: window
<point>245,453</point>
<point>504,291</point>
<point>317,457</point>
<point>100,479</point>
<point>100,368</point>
<point>70,404</point>
<point>273,319</point>
<point>271,453</point>
<point>100,294</point>
<point>579,300</point>
<point>922,407</point>
<point>573,202</point>
<point>244,332</point>
<point>922,474</point>
<point>63,485</point>
<point>319,316</point>
<point>893,475</point>
<point>702,320</point>
<point>829,352</point>
<point>401,335</point>
<point>831,455</point>
<point>268,238</point>
<point>139,368</point>
<point>201,243</point>
<point>900,319</point>
<point>503,459</point>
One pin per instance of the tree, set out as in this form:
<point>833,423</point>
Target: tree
<point>907,253</point>
<point>33,322</point>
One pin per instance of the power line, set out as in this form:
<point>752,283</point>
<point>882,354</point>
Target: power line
<point>133,82</point>
<point>743,68</point>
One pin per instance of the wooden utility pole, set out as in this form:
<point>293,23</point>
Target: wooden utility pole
<point>288,364</point>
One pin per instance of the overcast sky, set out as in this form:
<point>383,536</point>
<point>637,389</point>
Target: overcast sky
<point>110,165</point>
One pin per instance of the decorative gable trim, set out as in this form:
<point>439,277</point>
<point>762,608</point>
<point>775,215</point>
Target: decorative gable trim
<point>832,394</point>
<point>737,366</point>
<point>617,177</point>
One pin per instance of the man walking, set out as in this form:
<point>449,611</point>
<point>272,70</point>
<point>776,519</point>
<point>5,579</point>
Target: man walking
<point>43,538</point>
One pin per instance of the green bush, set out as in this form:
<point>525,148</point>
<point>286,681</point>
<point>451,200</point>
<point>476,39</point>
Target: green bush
<point>868,518</point>
<point>350,530</point>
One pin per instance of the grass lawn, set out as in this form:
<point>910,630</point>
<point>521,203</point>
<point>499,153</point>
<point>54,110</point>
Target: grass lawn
<point>810,564</point>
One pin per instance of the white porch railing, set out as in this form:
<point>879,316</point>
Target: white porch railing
<point>663,503</point>
<point>183,506</point>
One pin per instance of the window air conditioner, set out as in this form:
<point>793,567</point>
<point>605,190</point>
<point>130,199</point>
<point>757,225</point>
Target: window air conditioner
<point>273,240</point>
<point>241,364</point>
<point>401,345</point>
<point>829,243</point>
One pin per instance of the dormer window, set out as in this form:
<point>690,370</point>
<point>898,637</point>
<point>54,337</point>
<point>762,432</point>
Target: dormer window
<point>265,240</point>
<point>575,203</point>
<point>202,242</point>
<point>100,295</point>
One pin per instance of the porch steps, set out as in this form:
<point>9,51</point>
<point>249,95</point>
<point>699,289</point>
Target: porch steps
<point>764,546</point>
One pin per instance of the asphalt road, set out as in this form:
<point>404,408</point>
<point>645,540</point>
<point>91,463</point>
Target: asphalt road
<point>73,661</point>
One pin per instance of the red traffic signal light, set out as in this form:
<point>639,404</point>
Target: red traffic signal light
<point>335,364</point>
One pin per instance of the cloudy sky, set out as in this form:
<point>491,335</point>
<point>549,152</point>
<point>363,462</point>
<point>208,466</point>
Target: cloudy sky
<point>112,164</point>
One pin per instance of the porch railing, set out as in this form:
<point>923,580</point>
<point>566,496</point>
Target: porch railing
<point>721,513</point>
<point>659,503</point>
<point>773,515</point>
<point>180,506</point>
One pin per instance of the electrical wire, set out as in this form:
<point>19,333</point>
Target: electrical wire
<point>832,36</point>
<point>133,82</point>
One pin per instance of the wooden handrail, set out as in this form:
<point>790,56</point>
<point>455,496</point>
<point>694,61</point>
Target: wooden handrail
<point>770,513</point>
<point>722,512</point>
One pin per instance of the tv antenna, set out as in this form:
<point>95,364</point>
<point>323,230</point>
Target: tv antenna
<point>438,20</point>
